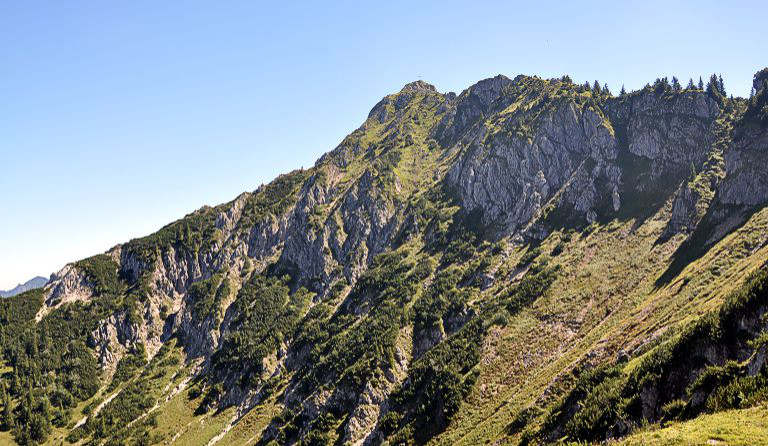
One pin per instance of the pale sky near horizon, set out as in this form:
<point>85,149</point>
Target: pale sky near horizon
<point>119,117</point>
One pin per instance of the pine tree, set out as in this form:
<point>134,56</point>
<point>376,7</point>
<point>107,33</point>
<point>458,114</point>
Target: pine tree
<point>7,421</point>
<point>721,85</point>
<point>606,90</point>
<point>623,91</point>
<point>27,403</point>
<point>676,84</point>
<point>32,345</point>
<point>701,83</point>
<point>713,88</point>
<point>39,427</point>
<point>596,87</point>
<point>586,86</point>
<point>15,383</point>
<point>45,341</point>
<point>661,85</point>
<point>45,407</point>
<point>690,85</point>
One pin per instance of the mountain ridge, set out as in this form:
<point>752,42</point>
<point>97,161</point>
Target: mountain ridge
<point>35,282</point>
<point>367,299</point>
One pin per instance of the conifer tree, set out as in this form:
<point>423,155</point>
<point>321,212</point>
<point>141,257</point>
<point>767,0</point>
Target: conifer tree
<point>676,84</point>
<point>623,92</point>
<point>596,87</point>
<point>713,88</point>
<point>691,172</point>
<point>7,421</point>
<point>721,85</point>
<point>39,427</point>
<point>701,83</point>
<point>690,85</point>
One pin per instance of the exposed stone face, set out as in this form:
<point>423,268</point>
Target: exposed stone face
<point>368,224</point>
<point>511,178</point>
<point>68,285</point>
<point>746,180</point>
<point>684,211</point>
<point>305,240</point>
<point>358,227</point>
<point>113,336</point>
<point>336,229</point>
<point>419,86</point>
<point>675,130</point>
<point>342,244</point>
<point>473,104</point>
<point>573,156</point>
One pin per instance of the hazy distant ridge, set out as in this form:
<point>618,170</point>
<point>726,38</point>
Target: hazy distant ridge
<point>37,282</point>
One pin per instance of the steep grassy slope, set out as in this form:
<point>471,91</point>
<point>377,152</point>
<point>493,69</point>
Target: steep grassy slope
<point>740,427</point>
<point>499,267</point>
<point>603,305</point>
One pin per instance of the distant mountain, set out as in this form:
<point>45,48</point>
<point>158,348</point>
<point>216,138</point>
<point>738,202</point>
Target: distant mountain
<point>37,282</point>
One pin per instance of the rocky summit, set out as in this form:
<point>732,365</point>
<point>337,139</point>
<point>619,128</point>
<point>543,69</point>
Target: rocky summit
<point>531,261</point>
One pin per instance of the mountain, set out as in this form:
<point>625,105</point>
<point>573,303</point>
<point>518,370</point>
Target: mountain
<point>530,261</point>
<point>37,282</point>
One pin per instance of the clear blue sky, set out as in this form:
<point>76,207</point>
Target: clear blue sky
<point>119,117</point>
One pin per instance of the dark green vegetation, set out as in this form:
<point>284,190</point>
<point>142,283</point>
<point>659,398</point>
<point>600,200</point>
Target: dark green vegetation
<point>511,265</point>
<point>436,385</point>
<point>51,367</point>
<point>51,370</point>
<point>127,419</point>
<point>265,314</point>
<point>207,297</point>
<point>345,351</point>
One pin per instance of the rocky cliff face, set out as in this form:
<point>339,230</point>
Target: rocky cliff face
<point>525,155</point>
<point>746,182</point>
<point>451,184</point>
<point>582,156</point>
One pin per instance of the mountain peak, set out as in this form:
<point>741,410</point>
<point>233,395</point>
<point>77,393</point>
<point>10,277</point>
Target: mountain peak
<point>419,86</point>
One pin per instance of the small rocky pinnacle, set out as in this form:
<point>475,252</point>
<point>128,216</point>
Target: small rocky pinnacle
<point>419,86</point>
